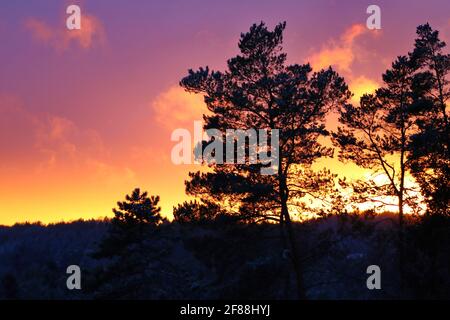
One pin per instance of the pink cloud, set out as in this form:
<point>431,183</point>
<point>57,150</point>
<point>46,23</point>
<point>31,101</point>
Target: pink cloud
<point>40,30</point>
<point>339,54</point>
<point>176,108</point>
<point>60,38</point>
<point>342,54</point>
<point>47,144</point>
<point>64,143</point>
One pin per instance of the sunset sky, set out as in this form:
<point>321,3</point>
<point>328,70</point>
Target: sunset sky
<point>86,116</point>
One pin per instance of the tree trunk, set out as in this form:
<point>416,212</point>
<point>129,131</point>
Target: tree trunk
<point>294,254</point>
<point>401,247</point>
<point>285,221</point>
<point>401,244</point>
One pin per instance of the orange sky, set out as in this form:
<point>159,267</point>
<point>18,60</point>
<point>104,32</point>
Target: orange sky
<point>86,117</point>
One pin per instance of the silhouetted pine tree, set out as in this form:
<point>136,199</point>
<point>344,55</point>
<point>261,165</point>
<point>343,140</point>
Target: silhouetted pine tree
<point>430,159</point>
<point>376,135</point>
<point>133,220</point>
<point>260,91</point>
<point>430,147</point>
<point>403,128</point>
<point>196,212</point>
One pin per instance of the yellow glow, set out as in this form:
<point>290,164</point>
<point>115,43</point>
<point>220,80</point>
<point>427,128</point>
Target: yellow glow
<point>360,86</point>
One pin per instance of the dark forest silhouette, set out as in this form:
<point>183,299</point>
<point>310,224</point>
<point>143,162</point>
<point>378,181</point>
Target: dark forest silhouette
<point>241,234</point>
<point>407,116</point>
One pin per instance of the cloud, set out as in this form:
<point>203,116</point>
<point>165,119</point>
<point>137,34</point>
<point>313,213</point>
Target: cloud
<point>60,38</point>
<point>62,142</point>
<point>175,108</point>
<point>91,31</point>
<point>40,30</point>
<point>34,144</point>
<point>340,54</point>
<point>16,127</point>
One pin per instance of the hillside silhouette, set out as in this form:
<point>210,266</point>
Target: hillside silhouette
<point>226,260</point>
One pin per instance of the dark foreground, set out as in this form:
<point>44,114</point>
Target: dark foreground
<point>223,260</point>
